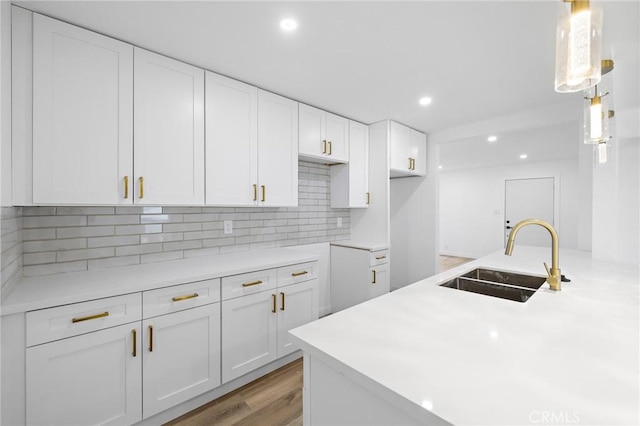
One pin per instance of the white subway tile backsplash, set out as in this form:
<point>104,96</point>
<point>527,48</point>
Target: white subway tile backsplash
<point>51,240</point>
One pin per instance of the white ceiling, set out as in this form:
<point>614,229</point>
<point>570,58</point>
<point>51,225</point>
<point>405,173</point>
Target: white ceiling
<point>367,60</point>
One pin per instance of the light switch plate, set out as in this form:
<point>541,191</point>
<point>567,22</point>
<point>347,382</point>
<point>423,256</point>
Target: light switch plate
<point>228,226</point>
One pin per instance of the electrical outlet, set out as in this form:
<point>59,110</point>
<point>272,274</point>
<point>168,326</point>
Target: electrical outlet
<point>339,222</point>
<point>228,227</point>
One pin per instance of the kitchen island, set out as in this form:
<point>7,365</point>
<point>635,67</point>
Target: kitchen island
<point>426,354</point>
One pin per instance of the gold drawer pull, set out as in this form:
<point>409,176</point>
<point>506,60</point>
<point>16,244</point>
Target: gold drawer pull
<point>374,277</point>
<point>134,335</point>
<point>273,299</point>
<point>297,274</point>
<point>188,296</point>
<point>141,179</point>
<point>126,187</point>
<point>368,198</point>
<point>255,192</point>
<point>380,257</point>
<point>330,148</point>
<point>150,338</point>
<point>252,283</point>
<point>264,192</point>
<point>282,301</point>
<point>90,317</point>
<point>410,162</point>
<point>324,146</point>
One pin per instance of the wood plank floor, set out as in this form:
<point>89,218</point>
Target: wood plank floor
<point>450,262</point>
<point>272,400</point>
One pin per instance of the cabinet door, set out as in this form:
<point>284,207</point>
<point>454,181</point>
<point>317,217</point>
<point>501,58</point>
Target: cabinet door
<point>94,378</point>
<point>248,333</point>
<point>277,150</point>
<point>82,115</point>
<point>379,284</point>
<point>313,140</point>
<point>181,357</point>
<point>297,305</point>
<point>168,131</point>
<point>337,138</point>
<point>400,140</point>
<point>358,165</point>
<point>231,142</point>
<point>418,152</point>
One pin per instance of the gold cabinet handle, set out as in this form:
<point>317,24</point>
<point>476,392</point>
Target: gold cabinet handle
<point>410,162</point>
<point>252,283</point>
<point>380,257</point>
<point>324,146</point>
<point>90,317</point>
<point>273,300</point>
<point>297,274</point>
<point>330,148</point>
<point>188,296</point>
<point>414,164</point>
<point>255,192</point>
<point>126,187</point>
<point>282,301</point>
<point>134,335</point>
<point>150,338</point>
<point>368,198</point>
<point>264,192</point>
<point>374,277</point>
<point>141,180</point>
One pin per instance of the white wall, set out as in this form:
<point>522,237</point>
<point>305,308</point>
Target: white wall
<point>472,205</point>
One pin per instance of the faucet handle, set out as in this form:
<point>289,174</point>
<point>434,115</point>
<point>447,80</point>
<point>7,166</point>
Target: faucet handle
<point>547,268</point>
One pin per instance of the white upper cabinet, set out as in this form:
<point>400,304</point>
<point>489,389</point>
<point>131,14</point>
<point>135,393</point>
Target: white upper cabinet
<point>277,150</point>
<point>231,142</point>
<point>350,182</point>
<point>82,115</point>
<point>418,151</point>
<point>168,131</point>
<point>408,151</point>
<point>324,137</point>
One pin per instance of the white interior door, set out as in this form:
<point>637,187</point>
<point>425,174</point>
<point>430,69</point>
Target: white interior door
<point>529,199</point>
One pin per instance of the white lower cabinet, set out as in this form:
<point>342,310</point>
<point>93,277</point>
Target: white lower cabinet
<point>181,357</point>
<point>357,275</point>
<point>94,378</point>
<point>255,326</point>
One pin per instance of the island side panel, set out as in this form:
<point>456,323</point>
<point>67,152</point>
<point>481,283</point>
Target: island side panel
<point>330,398</point>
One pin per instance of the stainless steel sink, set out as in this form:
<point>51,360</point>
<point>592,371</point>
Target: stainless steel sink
<point>502,284</point>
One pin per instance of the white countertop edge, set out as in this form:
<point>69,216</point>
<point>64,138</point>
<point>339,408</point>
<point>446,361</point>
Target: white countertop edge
<point>33,293</point>
<point>411,408</point>
<point>362,245</point>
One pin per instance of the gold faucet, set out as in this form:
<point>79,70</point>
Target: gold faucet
<point>553,276</point>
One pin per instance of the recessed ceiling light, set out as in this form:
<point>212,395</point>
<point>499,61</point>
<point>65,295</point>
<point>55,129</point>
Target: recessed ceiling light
<point>523,156</point>
<point>425,101</point>
<point>492,138</point>
<point>288,24</point>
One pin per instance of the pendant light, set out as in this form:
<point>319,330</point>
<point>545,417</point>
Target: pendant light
<point>578,45</point>
<point>597,113</point>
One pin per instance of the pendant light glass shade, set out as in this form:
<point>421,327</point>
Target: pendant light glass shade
<point>578,47</point>
<point>596,119</point>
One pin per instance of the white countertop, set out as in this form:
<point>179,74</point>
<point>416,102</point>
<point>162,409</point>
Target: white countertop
<point>61,289</point>
<point>475,359</point>
<point>362,245</point>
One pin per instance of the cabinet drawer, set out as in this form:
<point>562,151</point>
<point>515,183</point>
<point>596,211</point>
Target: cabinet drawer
<point>252,282</point>
<point>60,322</point>
<point>297,273</point>
<point>379,257</point>
<point>179,297</point>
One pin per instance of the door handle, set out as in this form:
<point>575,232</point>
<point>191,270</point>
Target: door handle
<point>150,338</point>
